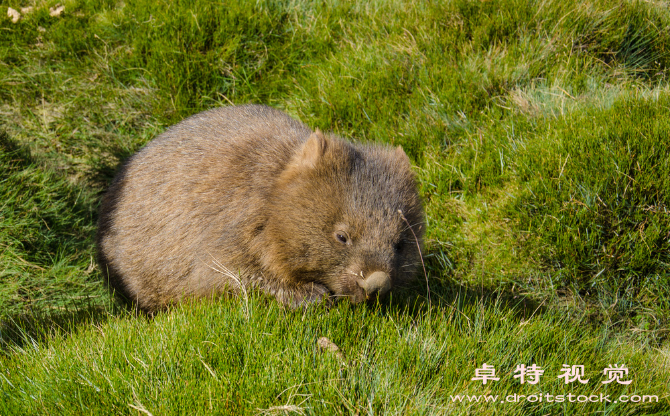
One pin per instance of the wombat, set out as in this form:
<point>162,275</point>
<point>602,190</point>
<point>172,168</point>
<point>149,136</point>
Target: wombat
<point>246,196</point>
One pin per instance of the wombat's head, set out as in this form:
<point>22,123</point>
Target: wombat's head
<point>346,217</point>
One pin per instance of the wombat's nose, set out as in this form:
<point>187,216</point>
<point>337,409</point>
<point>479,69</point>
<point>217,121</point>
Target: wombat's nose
<point>377,284</point>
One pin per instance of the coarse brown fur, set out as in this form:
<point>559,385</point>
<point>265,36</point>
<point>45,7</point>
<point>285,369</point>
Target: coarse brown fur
<point>247,196</point>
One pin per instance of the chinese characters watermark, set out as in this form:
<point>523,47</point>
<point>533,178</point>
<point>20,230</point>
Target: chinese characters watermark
<point>487,372</point>
<point>533,373</point>
<point>573,373</point>
<point>570,373</point>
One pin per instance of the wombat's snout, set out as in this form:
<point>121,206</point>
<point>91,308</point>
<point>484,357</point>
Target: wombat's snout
<point>377,284</point>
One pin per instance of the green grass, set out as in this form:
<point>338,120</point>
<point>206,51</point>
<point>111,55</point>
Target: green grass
<point>236,357</point>
<point>45,228</point>
<point>539,134</point>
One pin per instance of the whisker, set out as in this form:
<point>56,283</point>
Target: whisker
<point>418,245</point>
<point>411,226</point>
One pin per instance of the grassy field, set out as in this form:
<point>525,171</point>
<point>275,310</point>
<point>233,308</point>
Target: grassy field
<point>538,130</point>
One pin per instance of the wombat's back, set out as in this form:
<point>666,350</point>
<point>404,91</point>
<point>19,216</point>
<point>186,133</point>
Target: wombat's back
<point>203,180</point>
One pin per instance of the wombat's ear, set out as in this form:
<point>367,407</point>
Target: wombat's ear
<point>312,151</point>
<point>402,156</point>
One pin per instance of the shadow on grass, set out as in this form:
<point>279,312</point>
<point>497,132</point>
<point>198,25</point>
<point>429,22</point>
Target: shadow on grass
<point>104,170</point>
<point>49,222</point>
<point>39,327</point>
<point>443,292</point>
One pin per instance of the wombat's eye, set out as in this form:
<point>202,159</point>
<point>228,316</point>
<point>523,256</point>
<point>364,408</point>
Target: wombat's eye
<point>342,237</point>
<point>399,246</point>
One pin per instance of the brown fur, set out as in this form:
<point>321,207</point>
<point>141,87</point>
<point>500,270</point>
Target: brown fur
<point>247,196</point>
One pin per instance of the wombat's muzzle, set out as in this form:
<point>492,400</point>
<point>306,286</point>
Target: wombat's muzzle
<point>377,284</point>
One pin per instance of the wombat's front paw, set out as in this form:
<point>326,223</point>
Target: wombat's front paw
<point>315,293</point>
<point>302,295</point>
